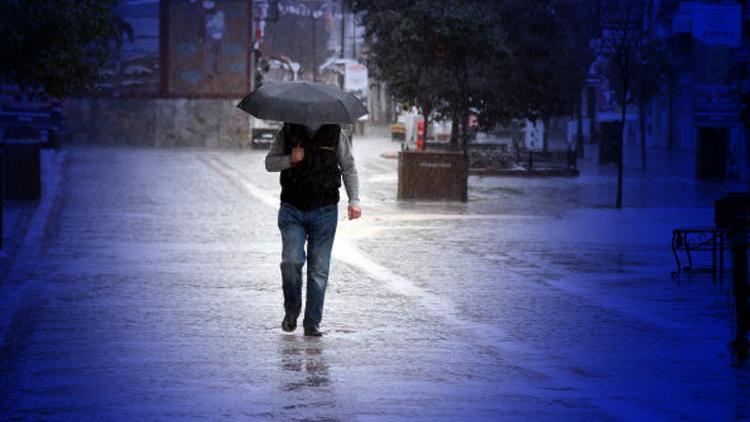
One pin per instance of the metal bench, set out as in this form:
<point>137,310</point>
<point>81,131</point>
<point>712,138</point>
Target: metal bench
<point>690,239</point>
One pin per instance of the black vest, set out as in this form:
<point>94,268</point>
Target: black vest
<point>313,182</point>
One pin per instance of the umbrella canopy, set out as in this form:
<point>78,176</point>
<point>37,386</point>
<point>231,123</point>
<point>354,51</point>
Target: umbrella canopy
<point>306,103</point>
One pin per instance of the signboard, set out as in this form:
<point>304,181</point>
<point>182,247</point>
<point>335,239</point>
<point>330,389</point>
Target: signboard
<point>716,117</point>
<point>355,77</point>
<point>534,135</point>
<point>355,81</point>
<point>718,25</point>
<point>715,105</point>
<point>711,96</point>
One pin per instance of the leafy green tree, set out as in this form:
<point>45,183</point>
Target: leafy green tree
<point>401,50</point>
<point>58,45</point>
<point>469,45</point>
<point>552,56</point>
<point>429,52</point>
<point>499,60</point>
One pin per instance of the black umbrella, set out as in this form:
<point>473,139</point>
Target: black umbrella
<point>306,103</point>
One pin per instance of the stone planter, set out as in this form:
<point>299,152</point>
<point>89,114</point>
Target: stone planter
<point>432,175</point>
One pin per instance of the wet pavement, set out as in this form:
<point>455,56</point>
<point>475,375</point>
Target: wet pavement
<point>157,294</point>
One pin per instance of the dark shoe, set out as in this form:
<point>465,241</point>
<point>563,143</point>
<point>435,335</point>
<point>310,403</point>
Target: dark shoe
<point>289,323</point>
<point>313,332</point>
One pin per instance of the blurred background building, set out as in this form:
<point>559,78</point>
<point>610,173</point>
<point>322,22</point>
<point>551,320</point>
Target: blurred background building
<point>179,67</point>
<point>696,110</point>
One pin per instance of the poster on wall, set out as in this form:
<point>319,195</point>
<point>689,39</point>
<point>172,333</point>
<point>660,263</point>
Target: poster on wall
<point>133,66</point>
<point>207,48</point>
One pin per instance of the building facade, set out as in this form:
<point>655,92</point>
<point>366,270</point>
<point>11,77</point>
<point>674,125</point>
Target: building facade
<point>708,40</point>
<point>697,110</point>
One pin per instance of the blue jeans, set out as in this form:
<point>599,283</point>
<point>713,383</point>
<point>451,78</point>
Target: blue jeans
<point>317,228</point>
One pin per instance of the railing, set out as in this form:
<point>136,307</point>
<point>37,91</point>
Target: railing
<point>549,159</point>
<point>500,156</point>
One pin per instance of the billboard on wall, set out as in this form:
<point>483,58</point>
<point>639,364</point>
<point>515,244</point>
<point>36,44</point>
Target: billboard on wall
<point>207,45</point>
<point>133,66</point>
<point>179,48</point>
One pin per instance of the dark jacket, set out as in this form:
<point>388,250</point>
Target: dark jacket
<point>313,182</point>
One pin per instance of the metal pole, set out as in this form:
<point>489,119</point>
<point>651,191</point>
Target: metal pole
<point>315,59</point>
<point>343,32</point>
<point>343,44</point>
<point>354,37</point>
<point>251,59</point>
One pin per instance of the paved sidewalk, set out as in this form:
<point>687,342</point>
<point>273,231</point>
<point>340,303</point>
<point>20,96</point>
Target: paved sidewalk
<point>158,295</point>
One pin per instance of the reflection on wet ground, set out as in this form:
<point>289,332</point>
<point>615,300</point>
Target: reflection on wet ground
<point>304,361</point>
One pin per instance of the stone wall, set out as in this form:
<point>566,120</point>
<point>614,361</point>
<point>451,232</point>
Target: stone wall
<point>156,122</point>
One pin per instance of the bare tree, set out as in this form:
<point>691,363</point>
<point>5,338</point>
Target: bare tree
<point>630,47</point>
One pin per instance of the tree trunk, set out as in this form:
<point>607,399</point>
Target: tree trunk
<point>579,128</point>
<point>455,130</point>
<point>545,134</point>
<point>670,116</point>
<point>642,129</point>
<point>465,133</point>
<point>621,146</point>
<point>426,112</point>
<point>593,135</point>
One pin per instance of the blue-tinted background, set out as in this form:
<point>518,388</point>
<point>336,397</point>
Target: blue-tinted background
<point>142,280</point>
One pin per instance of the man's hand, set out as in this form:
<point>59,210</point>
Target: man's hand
<point>298,154</point>
<point>354,212</point>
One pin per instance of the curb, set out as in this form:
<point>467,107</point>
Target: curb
<point>20,275</point>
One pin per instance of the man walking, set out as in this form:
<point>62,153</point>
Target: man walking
<point>312,162</point>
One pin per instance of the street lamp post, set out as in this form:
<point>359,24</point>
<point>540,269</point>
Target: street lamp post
<point>314,53</point>
<point>314,15</point>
